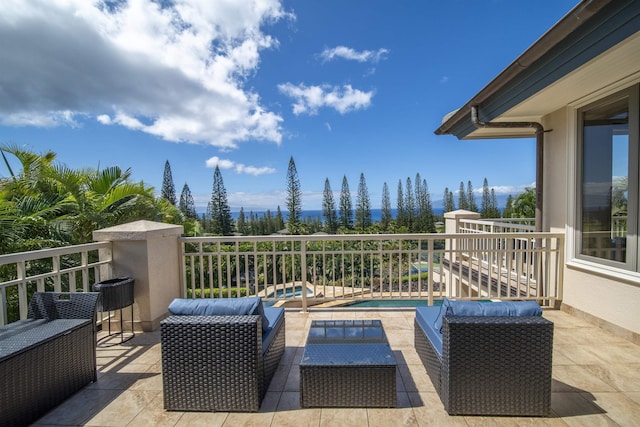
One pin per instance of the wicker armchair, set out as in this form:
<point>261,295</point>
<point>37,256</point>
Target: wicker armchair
<point>219,363</point>
<point>493,365</point>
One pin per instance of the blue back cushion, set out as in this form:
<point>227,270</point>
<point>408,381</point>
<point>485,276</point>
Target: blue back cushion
<point>476,308</point>
<point>219,307</point>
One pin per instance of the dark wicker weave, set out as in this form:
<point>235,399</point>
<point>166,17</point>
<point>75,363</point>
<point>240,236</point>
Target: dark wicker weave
<point>216,363</point>
<point>47,358</point>
<point>346,371</point>
<point>491,365</point>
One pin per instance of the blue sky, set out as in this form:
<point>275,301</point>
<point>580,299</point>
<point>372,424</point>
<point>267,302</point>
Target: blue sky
<point>345,87</point>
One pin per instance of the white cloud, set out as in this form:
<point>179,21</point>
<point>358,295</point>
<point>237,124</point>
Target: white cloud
<point>176,70</point>
<point>238,167</point>
<point>353,55</point>
<point>509,189</point>
<point>444,79</point>
<point>308,99</point>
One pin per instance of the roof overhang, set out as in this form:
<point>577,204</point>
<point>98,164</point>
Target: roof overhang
<point>595,46</point>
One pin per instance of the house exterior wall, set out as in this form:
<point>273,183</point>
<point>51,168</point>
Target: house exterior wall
<point>601,295</point>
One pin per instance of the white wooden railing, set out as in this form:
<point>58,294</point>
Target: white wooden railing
<point>502,225</point>
<point>66,269</point>
<point>318,269</point>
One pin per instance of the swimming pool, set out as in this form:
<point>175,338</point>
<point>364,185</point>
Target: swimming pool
<point>397,303</point>
<point>393,303</point>
<point>289,292</point>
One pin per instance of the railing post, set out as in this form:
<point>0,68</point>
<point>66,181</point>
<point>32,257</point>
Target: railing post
<point>303,273</point>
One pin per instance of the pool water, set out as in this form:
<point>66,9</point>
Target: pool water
<point>393,303</point>
<point>397,303</point>
<point>289,293</point>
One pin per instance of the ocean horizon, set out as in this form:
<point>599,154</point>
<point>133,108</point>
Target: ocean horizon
<point>376,214</point>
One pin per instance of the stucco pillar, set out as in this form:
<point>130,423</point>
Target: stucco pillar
<point>452,219</point>
<point>148,252</point>
<point>452,226</point>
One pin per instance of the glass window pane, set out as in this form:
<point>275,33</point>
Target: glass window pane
<point>605,174</point>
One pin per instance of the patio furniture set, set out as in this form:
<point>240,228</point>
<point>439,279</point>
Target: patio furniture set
<point>221,354</point>
<point>482,358</point>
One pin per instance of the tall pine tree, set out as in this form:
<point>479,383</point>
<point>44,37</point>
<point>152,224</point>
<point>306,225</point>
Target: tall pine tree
<point>462,197</point>
<point>187,205</point>
<point>448,204</point>
<point>329,209</point>
<point>386,216</point>
<point>221,219</point>
<point>489,206</point>
<point>294,199</point>
<point>471,199</point>
<point>409,205</point>
<point>363,206</point>
<point>241,224</point>
<point>346,207</point>
<point>400,216</point>
<point>168,189</point>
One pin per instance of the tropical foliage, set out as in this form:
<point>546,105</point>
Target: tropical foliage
<point>47,204</point>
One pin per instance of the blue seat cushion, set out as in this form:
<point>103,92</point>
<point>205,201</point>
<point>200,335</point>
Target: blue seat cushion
<point>477,308</point>
<point>219,307</point>
<point>276,317</point>
<point>426,319</point>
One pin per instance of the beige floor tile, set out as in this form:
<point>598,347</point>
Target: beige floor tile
<point>270,402</point>
<point>577,378</point>
<point>622,377</point>
<point>79,407</point>
<point>576,354</point>
<point>618,353</point>
<point>202,419</point>
<point>635,396</point>
<point>155,415</point>
<point>579,409</point>
<point>149,380</point>
<point>620,408</point>
<point>299,418</point>
<point>429,411</point>
<point>293,379</point>
<point>391,417</point>
<point>236,419</point>
<point>415,378</point>
<point>124,408</point>
<point>344,417</point>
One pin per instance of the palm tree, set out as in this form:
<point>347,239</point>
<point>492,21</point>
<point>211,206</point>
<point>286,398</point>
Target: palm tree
<point>47,204</point>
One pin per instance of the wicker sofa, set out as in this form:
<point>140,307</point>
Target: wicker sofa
<point>47,357</point>
<point>491,359</point>
<point>220,358</point>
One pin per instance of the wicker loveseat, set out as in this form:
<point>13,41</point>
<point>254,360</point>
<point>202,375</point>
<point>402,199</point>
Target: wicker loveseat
<point>487,358</point>
<point>220,354</point>
<point>48,357</point>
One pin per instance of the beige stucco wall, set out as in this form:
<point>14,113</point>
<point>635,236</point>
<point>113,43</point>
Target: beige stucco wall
<point>149,252</point>
<point>603,296</point>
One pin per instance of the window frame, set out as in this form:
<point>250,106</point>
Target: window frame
<point>632,94</point>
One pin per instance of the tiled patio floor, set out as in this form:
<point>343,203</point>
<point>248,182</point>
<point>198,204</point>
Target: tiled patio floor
<point>596,383</point>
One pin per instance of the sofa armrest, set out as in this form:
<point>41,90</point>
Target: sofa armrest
<point>493,360</point>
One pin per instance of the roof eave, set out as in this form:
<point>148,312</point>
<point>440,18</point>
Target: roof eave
<point>576,18</point>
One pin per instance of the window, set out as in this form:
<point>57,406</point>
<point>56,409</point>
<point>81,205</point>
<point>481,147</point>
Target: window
<point>608,182</point>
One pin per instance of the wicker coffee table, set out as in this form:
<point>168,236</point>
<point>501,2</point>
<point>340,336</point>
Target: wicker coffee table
<point>347,363</point>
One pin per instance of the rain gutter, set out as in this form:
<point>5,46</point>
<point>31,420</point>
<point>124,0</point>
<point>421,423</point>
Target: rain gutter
<point>569,23</point>
<point>539,129</point>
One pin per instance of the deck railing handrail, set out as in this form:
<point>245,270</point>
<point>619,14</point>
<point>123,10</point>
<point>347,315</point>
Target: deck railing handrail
<point>502,225</point>
<point>70,268</point>
<point>320,268</point>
